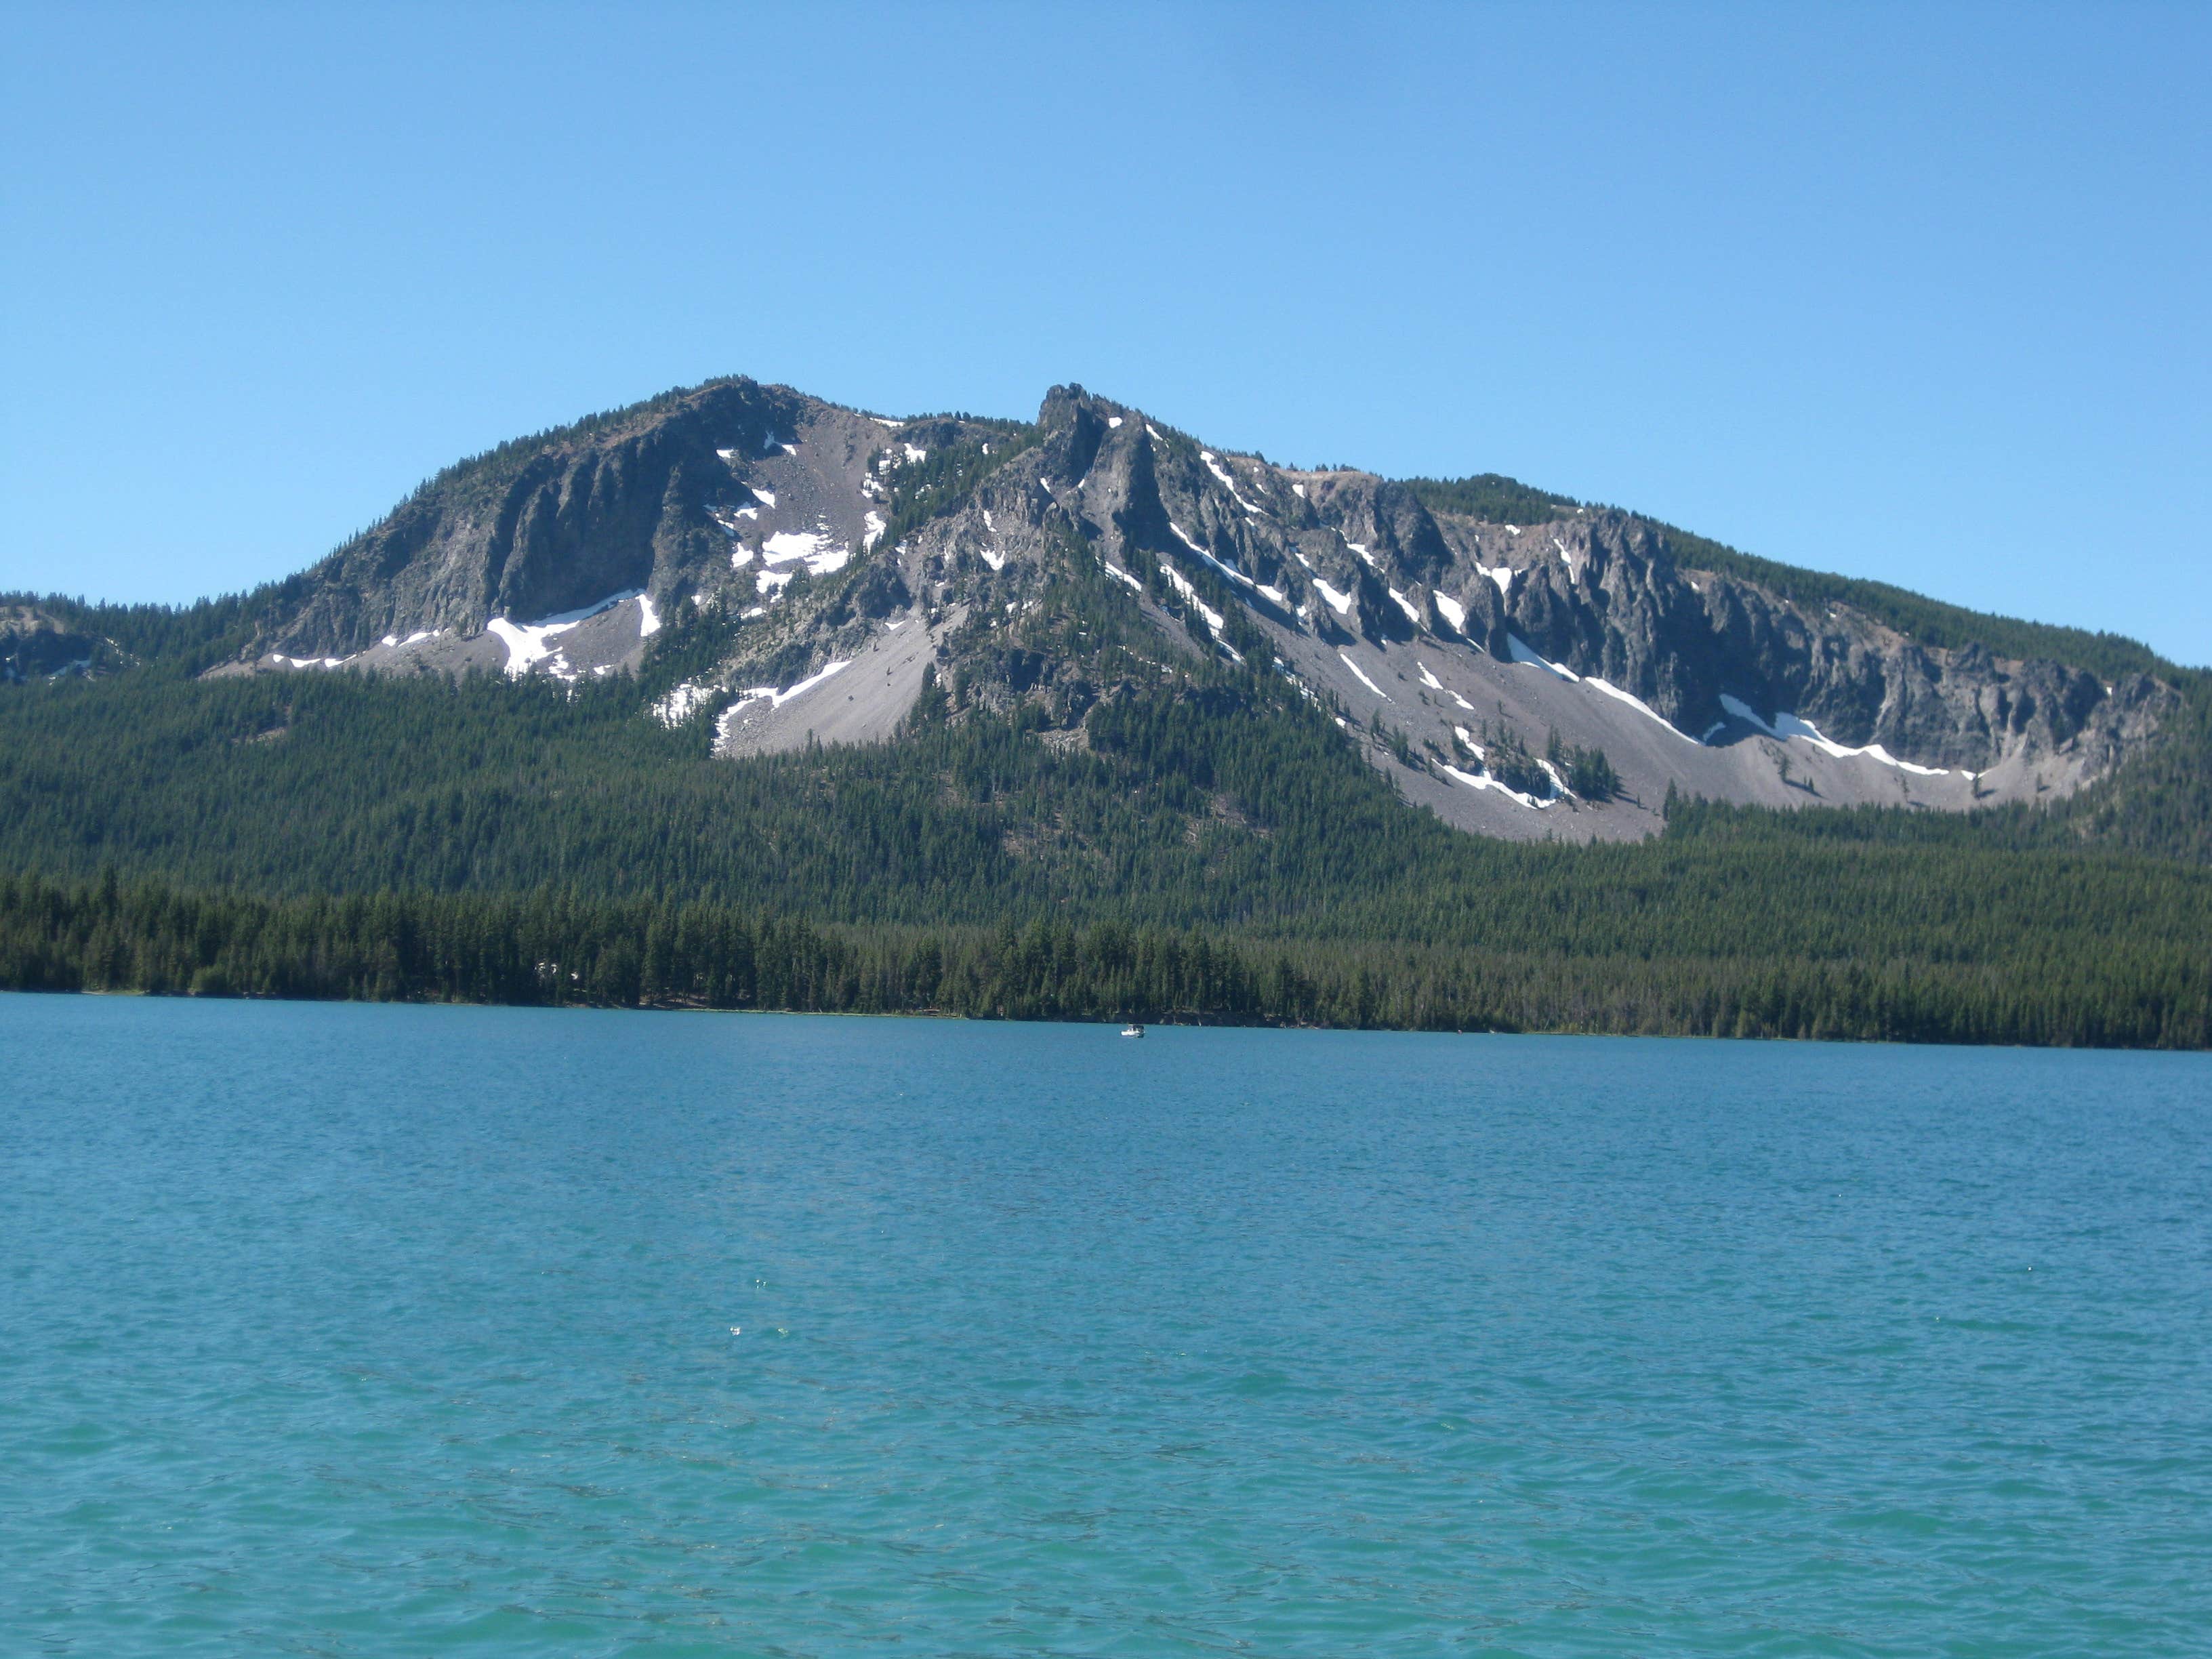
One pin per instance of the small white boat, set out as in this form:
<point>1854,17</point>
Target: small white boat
<point>1132,1030</point>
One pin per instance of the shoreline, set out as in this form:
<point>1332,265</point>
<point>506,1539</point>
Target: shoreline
<point>1182,1022</point>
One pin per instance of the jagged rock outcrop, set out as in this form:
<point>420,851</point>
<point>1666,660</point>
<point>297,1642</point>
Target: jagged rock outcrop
<point>540,528</point>
<point>1603,595</point>
<point>852,560</point>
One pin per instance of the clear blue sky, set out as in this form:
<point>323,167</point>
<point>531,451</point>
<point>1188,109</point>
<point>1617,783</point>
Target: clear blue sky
<point>1912,292</point>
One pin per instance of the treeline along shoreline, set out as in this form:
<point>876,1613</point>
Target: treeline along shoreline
<point>556,950</point>
<point>1215,852</point>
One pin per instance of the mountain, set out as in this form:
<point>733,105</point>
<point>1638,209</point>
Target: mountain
<point>1551,677</point>
<point>739,698</point>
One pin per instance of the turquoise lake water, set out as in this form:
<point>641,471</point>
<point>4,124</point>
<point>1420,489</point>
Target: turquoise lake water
<point>396,1331</point>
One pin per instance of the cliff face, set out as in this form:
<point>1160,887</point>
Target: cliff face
<point>1603,595</point>
<point>828,545</point>
<point>538,529</point>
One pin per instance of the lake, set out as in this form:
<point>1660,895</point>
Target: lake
<point>357,1330</point>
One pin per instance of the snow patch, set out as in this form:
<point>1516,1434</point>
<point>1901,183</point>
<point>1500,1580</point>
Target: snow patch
<point>1226,569</point>
<point>1453,611</point>
<point>1432,682</point>
<point>1500,574</point>
<point>995,558</point>
<point>681,703</point>
<point>1638,705</point>
<point>767,496</point>
<point>915,455</point>
<point>1363,680</point>
<point>1521,652</point>
<point>1298,490</point>
<point>1786,726</point>
<point>874,525</point>
<point>1183,536</point>
<point>820,554</point>
<point>1360,547</point>
<point>770,696</point>
<point>529,644</point>
<point>1113,420</point>
<point>1340,603</point>
<point>1228,484</point>
<point>1406,606</point>
<point>1485,782</point>
<point>780,698</point>
<point>789,544</point>
<point>648,619</point>
<point>1181,583</point>
<point>1120,574</point>
<point>526,647</point>
<point>880,421</point>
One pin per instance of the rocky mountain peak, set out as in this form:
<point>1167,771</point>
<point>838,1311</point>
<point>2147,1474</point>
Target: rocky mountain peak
<point>798,545</point>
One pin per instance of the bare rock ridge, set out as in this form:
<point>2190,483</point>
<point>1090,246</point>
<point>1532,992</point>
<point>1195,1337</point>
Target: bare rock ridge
<point>841,565</point>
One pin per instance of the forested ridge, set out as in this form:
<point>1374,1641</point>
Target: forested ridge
<point>558,950</point>
<point>1220,801</point>
<point>1214,850</point>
